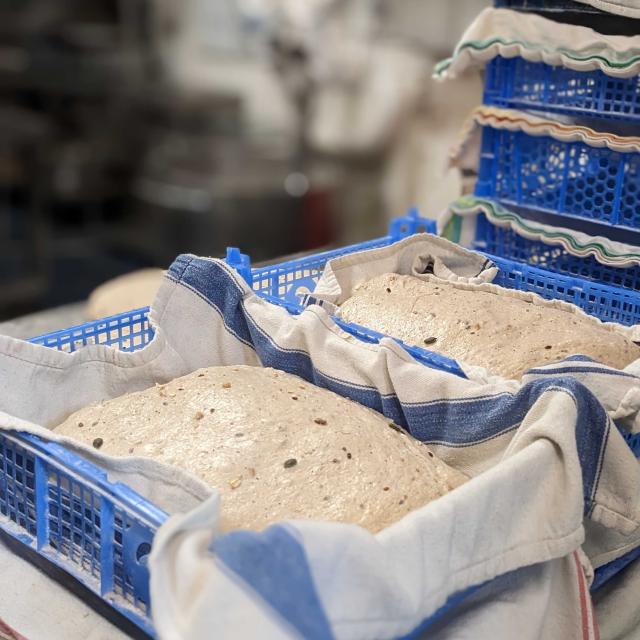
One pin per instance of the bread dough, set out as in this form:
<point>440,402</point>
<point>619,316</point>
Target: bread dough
<point>275,446</point>
<point>130,291</point>
<point>504,334</point>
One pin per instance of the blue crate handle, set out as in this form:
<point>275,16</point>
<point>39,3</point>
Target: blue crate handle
<point>240,262</point>
<point>411,223</point>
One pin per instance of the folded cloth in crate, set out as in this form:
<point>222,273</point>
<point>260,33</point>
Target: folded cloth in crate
<point>342,275</point>
<point>604,250</point>
<point>465,154</point>
<point>501,32</point>
<point>545,458</point>
<point>420,254</point>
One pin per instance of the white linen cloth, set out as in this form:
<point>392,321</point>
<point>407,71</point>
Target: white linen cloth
<point>506,33</point>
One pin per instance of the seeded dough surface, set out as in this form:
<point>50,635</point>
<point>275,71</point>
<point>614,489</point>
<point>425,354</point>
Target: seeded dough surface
<point>274,445</point>
<point>505,335</point>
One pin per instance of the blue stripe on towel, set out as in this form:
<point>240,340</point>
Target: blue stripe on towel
<point>562,369</point>
<point>274,564</point>
<point>211,281</point>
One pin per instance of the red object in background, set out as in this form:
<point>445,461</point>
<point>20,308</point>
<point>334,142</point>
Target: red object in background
<point>7,633</point>
<point>318,225</point>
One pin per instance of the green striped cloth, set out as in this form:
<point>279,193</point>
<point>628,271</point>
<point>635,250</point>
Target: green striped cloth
<point>606,251</point>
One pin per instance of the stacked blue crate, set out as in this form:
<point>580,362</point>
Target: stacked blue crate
<point>569,184</point>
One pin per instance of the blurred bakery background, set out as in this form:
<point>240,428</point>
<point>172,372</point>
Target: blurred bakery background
<point>134,130</point>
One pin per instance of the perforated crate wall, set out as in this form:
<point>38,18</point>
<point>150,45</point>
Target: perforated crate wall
<point>501,241</point>
<point>516,83</point>
<point>67,510</point>
<point>610,304</point>
<point>565,178</point>
<point>127,331</point>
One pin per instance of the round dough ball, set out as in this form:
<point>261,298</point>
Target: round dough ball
<point>275,446</point>
<point>130,291</point>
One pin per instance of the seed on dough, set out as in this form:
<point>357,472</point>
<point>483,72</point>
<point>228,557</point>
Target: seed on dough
<point>199,415</point>
<point>320,421</point>
<point>291,462</point>
<point>80,424</point>
<point>97,443</point>
<point>385,488</point>
<point>93,424</point>
<point>430,340</point>
<point>234,484</point>
<point>349,456</point>
<point>226,385</point>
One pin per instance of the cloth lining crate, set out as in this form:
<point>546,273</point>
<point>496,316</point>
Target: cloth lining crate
<point>67,510</point>
<point>569,179</point>
<point>534,86</point>
<point>500,241</point>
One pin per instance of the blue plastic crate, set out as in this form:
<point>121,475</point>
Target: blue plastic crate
<point>287,283</point>
<point>67,510</point>
<point>610,304</point>
<point>517,83</point>
<point>501,241</point>
<point>569,179</point>
<point>127,331</point>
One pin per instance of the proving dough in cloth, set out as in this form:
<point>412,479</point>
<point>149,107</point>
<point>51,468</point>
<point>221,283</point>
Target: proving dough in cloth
<point>275,446</point>
<point>505,335</point>
<point>130,291</point>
